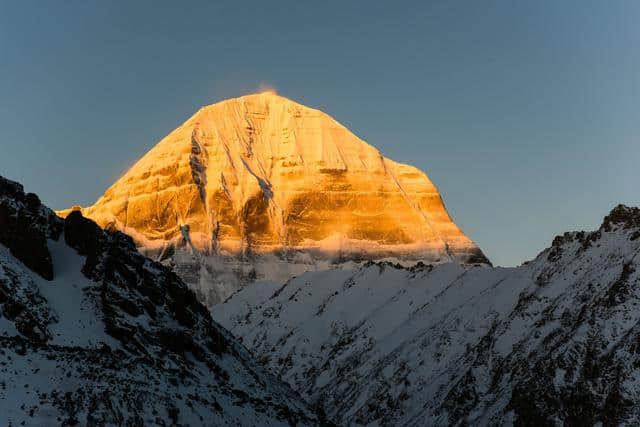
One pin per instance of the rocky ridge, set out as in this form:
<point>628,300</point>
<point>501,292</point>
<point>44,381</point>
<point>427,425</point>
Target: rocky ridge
<point>93,333</point>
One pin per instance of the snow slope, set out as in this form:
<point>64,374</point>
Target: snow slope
<point>101,335</point>
<point>555,341</point>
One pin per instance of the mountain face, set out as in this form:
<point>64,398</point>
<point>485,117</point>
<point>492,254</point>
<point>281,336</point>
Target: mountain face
<point>555,341</point>
<point>260,187</point>
<point>92,333</point>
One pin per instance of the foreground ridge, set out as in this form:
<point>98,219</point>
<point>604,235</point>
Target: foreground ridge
<point>93,333</point>
<point>554,341</point>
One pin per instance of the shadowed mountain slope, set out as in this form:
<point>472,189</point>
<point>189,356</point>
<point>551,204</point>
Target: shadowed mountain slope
<point>93,333</point>
<point>552,342</point>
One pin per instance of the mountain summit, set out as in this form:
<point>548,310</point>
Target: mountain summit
<point>263,175</point>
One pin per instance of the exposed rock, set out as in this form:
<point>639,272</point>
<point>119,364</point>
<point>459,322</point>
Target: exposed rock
<point>622,215</point>
<point>25,227</point>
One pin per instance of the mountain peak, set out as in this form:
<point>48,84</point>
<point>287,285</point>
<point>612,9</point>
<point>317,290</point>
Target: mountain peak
<point>266,95</point>
<point>263,175</point>
<point>261,102</point>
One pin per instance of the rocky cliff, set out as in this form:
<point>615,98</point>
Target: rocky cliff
<point>274,188</point>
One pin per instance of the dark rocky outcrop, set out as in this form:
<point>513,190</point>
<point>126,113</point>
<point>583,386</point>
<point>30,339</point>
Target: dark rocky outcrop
<point>621,215</point>
<point>25,227</point>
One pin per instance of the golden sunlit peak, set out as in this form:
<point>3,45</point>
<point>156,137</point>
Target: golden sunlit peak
<point>267,88</point>
<point>268,174</point>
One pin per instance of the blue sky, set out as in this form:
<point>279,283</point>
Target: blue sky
<point>524,114</point>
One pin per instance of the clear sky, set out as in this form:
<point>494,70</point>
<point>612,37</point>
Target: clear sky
<point>525,114</point>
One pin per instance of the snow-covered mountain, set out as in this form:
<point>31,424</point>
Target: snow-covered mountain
<point>261,187</point>
<point>555,341</point>
<point>92,333</point>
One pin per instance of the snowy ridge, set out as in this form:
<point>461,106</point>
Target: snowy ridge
<point>552,342</point>
<point>101,335</point>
